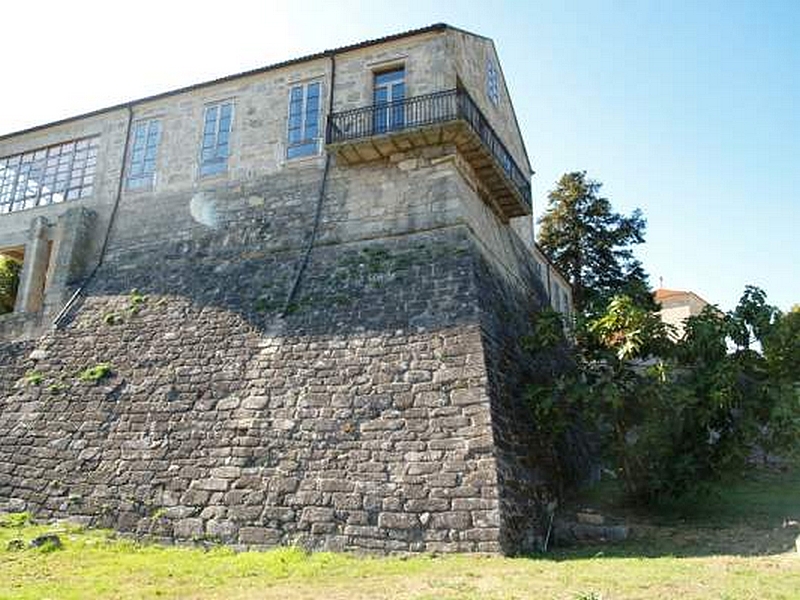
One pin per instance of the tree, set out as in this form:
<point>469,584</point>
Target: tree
<point>782,346</point>
<point>591,245</point>
<point>9,280</point>
<point>672,417</point>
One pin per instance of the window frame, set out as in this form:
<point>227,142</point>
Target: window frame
<point>389,118</point>
<point>146,181</point>
<point>47,175</point>
<point>492,82</point>
<point>305,147</point>
<point>218,165</point>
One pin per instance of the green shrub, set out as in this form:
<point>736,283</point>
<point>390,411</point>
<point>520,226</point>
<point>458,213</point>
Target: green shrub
<point>136,301</point>
<point>9,282</point>
<point>16,520</point>
<point>112,318</point>
<point>33,378</point>
<point>95,373</point>
<point>674,417</point>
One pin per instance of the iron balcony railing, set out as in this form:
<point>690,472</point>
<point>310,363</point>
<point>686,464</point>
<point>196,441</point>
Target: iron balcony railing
<point>421,111</point>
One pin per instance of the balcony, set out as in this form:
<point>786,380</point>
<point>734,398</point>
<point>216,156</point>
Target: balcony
<point>377,131</point>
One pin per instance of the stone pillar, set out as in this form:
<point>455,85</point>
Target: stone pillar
<point>72,253</point>
<point>30,294</point>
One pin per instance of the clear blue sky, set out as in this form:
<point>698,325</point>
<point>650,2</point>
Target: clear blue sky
<point>688,110</point>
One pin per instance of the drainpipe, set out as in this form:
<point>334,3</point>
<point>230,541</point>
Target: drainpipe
<point>111,220</point>
<point>549,297</point>
<point>318,215</point>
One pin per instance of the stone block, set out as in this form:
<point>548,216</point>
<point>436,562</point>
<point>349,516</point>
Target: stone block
<point>451,520</point>
<point>395,520</point>
<point>259,536</point>
<point>188,528</point>
<point>212,484</point>
<point>316,514</point>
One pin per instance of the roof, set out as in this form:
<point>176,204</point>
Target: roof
<point>662,294</point>
<point>436,27</point>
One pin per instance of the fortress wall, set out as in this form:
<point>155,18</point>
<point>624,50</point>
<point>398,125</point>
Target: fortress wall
<point>382,412</point>
<point>359,421</point>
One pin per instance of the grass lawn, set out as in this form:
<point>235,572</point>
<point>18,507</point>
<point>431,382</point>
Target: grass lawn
<point>731,546</point>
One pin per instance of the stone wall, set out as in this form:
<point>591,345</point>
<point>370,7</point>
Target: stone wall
<point>185,397</point>
<point>360,420</point>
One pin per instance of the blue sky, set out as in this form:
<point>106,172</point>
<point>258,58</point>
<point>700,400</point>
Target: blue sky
<point>688,110</point>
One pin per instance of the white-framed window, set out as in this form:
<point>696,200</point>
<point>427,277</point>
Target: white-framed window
<point>304,116</point>
<point>492,85</point>
<point>215,150</point>
<point>145,139</point>
<point>388,94</point>
<point>48,175</point>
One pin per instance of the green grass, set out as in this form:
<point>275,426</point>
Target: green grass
<point>738,550</point>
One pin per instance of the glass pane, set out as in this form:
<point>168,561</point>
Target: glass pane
<point>312,130</point>
<point>389,76</point>
<point>381,95</point>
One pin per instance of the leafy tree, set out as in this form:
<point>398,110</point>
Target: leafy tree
<point>591,244</point>
<point>9,281</point>
<point>675,416</point>
<point>782,347</point>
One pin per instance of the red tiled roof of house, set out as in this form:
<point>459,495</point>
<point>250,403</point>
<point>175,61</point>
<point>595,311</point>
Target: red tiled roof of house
<point>662,294</point>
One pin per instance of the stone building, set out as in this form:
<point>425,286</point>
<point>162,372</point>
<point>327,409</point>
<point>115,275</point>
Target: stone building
<point>282,306</point>
<point>676,307</point>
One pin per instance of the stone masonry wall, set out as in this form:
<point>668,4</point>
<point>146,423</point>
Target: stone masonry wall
<point>360,420</point>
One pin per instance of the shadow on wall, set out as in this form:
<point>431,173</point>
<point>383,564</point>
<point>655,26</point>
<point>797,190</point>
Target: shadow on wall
<point>188,408</point>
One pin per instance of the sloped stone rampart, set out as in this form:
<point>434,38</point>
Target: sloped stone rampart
<point>359,420</point>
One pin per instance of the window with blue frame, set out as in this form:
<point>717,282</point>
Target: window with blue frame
<point>303,130</point>
<point>144,149</point>
<point>216,138</point>
<point>389,91</point>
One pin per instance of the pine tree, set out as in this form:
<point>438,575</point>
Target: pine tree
<point>592,245</point>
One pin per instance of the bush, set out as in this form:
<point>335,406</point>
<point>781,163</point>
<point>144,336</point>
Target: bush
<point>673,417</point>
<point>95,373</point>
<point>9,282</point>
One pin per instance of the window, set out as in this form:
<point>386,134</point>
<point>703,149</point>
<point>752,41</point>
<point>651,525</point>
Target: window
<point>142,164</point>
<point>389,91</point>
<point>216,138</point>
<point>303,120</point>
<point>492,86</point>
<point>48,175</point>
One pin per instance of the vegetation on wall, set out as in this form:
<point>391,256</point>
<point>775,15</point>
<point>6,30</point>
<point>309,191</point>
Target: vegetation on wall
<point>9,282</point>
